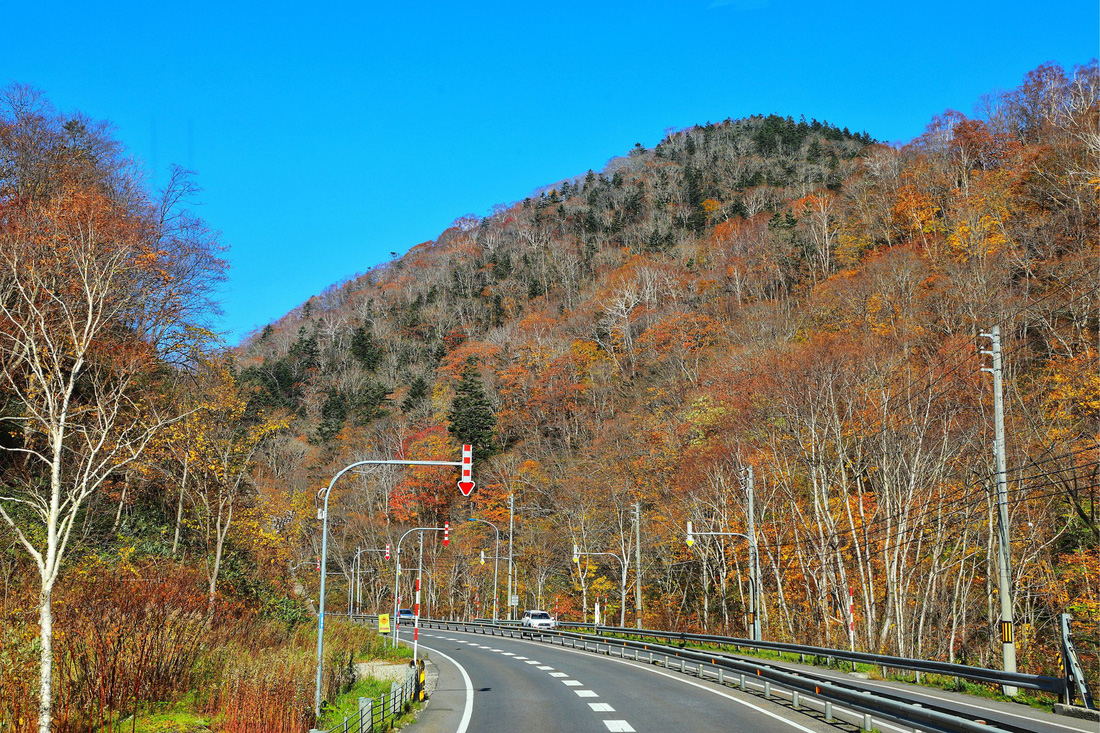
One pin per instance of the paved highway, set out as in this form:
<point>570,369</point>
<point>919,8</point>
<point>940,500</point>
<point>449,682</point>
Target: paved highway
<point>510,685</point>
<point>491,683</point>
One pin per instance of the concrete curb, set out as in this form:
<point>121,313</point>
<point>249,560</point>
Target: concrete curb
<point>1073,711</point>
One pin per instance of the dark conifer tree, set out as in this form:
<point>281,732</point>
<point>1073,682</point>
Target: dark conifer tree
<point>471,417</point>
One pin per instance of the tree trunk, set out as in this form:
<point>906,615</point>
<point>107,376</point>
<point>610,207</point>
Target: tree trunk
<point>45,664</point>
<point>179,505</point>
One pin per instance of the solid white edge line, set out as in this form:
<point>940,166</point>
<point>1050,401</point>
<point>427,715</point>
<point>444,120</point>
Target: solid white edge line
<point>947,700</point>
<point>464,724</point>
<point>679,678</point>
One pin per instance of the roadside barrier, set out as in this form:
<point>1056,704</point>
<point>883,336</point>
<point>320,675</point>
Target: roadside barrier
<point>375,714</point>
<point>832,698</point>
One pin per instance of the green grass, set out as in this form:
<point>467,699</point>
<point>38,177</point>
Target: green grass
<point>167,718</point>
<point>347,705</point>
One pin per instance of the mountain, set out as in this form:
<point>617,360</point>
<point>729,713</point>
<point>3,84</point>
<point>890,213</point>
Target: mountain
<point>767,293</point>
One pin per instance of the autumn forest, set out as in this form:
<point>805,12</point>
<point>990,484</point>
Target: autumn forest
<point>767,297</point>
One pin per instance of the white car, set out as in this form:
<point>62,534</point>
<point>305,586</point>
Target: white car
<point>537,619</point>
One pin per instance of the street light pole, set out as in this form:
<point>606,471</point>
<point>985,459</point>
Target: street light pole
<point>496,564</point>
<point>357,569</point>
<point>397,580</point>
<point>324,551</point>
<point>622,595</point>
<point>754,590</point>
<point>638,564</point>
<point>511,544</point>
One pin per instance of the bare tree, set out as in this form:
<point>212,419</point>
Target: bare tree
<point>83,275</point>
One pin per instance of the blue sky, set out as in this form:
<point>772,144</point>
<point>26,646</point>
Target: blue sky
<point>328,135</point>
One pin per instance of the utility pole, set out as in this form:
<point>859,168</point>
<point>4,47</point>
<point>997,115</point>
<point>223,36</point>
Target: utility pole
<point>754,557</point>
<point>638,563</point>
<point>511,543</point>
<point>1004,555</point>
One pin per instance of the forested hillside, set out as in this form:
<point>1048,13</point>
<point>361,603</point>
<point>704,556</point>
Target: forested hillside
<point>766,293</point>
<point>764,299</point>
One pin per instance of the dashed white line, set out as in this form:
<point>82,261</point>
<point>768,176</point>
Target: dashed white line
<point>558,674</point>
<point>532,661</point>
<point>620,726</point>
<point>585,693</point>
<point>571,683</point>
<point>544,667</point>
<point>601,707</point>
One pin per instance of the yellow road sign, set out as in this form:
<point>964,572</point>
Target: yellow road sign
<point>383,623</point>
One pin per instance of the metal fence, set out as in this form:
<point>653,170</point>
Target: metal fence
<point>804,689</point>
<point>376,714</point>
<point>919,666</point>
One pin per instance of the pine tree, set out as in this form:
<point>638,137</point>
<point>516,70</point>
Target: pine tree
<point>471,417</point>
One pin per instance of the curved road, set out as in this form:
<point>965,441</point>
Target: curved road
<point>518,685</point>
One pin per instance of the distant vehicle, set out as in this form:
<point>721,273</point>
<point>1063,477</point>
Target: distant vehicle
<point>537,619</point>
<point>405,616</point>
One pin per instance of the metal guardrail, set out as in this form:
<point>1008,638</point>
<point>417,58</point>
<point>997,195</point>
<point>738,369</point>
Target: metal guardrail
<point>978,674</point>
<point>375,714</point>
<point>803,687</point>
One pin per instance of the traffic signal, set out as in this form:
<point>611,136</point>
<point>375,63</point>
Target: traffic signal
<point>690,537</point>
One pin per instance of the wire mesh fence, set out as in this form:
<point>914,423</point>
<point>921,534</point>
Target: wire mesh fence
<point>377,714</point>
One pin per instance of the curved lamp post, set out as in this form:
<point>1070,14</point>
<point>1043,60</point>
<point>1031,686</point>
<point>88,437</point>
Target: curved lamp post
<point>464,465</point>
<point>754,571</point>
<point>622,609</point>
<point>496,553</point>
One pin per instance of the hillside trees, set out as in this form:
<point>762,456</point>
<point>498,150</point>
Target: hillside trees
<point>786,295</point>
<point>90,309</point>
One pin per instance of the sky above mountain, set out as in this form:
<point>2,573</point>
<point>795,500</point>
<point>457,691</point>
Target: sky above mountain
<point>329,136</point>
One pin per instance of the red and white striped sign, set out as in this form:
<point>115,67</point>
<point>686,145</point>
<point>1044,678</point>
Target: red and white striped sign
<point>416,612</point>
<point>446,533</point>
<point>466,483</point>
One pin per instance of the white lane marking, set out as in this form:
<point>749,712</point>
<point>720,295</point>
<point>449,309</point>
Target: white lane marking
<point>571,683</point>
<point>521,658</point>
<point>677,678</point>
<point>544,667</point>
<point>619,726</point>
<point>508,654</point>
<point>558,674</point>
<point>468,712</point>
<point>601,707</point>
<point>496,650</point>
<point>532,661</point>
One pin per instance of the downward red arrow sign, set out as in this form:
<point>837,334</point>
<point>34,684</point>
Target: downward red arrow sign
<point>465,487</point>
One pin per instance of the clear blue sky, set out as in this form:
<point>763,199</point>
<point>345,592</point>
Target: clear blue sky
<point>327,135</point>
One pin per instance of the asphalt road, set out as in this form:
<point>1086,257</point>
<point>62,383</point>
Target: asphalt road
<point>493,684</point>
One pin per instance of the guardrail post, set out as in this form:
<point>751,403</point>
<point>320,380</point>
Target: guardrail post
<point>867,722</point>
<point>721,677</point>
<point>682,669</point>
<point>796,700</point>
<point>742,683</point>
<point>828,712</point>
<point>767,690</point>
<point>365,705</point>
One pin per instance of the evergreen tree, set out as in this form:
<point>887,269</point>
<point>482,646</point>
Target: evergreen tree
<point>471,416</point>
<point>333,415</point>
<point>366,348</point>
<point>418,390</point>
